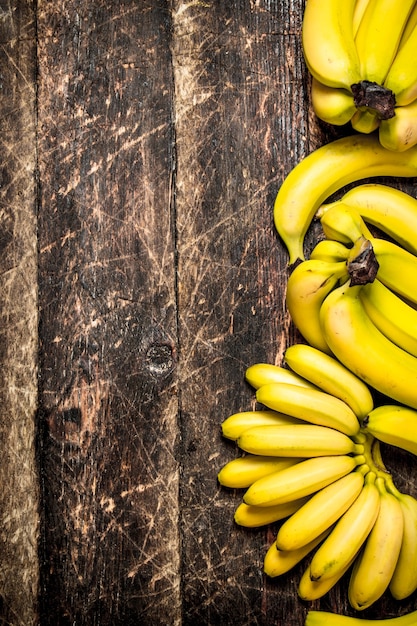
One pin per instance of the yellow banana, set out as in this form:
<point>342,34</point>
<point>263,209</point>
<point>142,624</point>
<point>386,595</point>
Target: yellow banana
<point>299,440</point>
<point>399,133</point>
<point>389,209</point>
<point>300,480</point>
<point>326,170</point>
<point>330,104</point>
<point>309,590</point>
<point>328,43</point>
<point>308,285</point>
<point>241,472</point>
<point>358,12</point>
<point>278,562</point>
<point>348,535</point>
<point>310,405</point>
<point>328,374</point>
<point>397,268</point>
<point>409,27</point>
<point>262,373</point>
<point>325,618</point>
<point>374,568</point>
<point>393,424</point>
<point>379,35</point>
<point>362,348</point>
<point>343,223</point>
<point>396,319</point>
<point>321,511</point>
<point>402,76</point>
<point>330,251</point>
<point>404,580</point>
<point>256,516</point>
<point>234,425</point>
<point>365,121</point>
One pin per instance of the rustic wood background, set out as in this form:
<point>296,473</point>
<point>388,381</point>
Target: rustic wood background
<point>142,145</point>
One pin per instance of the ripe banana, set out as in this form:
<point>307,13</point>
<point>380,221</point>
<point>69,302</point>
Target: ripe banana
<point>330,251</point>
<point>402,75</point>
<point>349,534</point>
<point>399,133</point>
<point>374,568</point>
<point>379,35</point>
<point>299,440</point>
<point>333,106</point>
<point>262,373</point>
<point>397,268</point>
<point>389,209</point>
<point>328,374</point>
<point>395,425</point>
<point>328,43</point>
<point>241,472</point>
<point>256,516</point>
<point>326,170</point>
<point>343,223</point>
<point>409,27</point>
<point>308,285</point>
<point>396,319</point>
<point>321,511</point>
<point>365,121</point>
<point>309,590</point>
<point>234,425</point>
<point>404,580</point>
<point>358,12</point>
<point>278,562</point>
<point>363,349</point>
<point>325,618</point>
<point>300,480</point>
<point>310,405</point>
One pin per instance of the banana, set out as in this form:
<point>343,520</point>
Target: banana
<point>375,566</point>
<point>343,223</point>
<point>404,579</point>
<point>402,76</point>
<point>393,211</point>
<point>349,534</point>
<point>307,286</point>
<point>358,12</point>
<point>409,27</point>
<point>393,424</point>
<point>262,373</point>
<point>321,511</point>
<point>328,43</point>
<point>363,349</point>
<point>234,425</point>
<point>396,319</point>
<point>365,121</point>
<point>311,405</point>
<point>241,472</point>
<point>330,251</point>
<point>332,105</point>
<point>309,590</point>
<point>256,516</point>
<point>325,171</point>
<point>299,440</point>
<point>399,133</point>
<point>278,562</point>
<point>329,375</point>
<point>325,618</point>
<point>300,480</point>
<point>378,36</point>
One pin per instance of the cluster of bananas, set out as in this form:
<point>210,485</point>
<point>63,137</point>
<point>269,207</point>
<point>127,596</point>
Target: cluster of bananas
<point>312,459</point>
<point>361,54</point>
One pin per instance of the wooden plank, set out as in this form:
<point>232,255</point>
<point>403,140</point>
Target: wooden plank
<point>19,518</point>
<point>108,317</point>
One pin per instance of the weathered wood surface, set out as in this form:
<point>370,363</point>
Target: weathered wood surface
<point>163,131</point>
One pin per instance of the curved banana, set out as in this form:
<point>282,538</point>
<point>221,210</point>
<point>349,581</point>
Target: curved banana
<point>389,209</point>
<point>300,480</point>
<point>309,590</point>
<point>365,121</point>
<point>332,105</point>
<point>241,472</point>
<point>349,534</point>
<point>311,405</point>
<point>328,374</point>
<point>263,373</point>
<point>409,27</point>
<point>363,349</point>
<point>397,268</point>
<point>256,516</point>
<point>402,75</point>
<point>299,440</point>
<point>374,568</point>
<point>396,319</point>
<point>330,251</point>
<point>358,13</point>
<point>404,580</point>
<point>328,43</point>
<point>343,223</point>
<point>321,511</point>
<point>307,287</point>
<point>234,425</point>
<point>399,133</point>
<point>393,424</point>
<point>326,170</point>
<point>378,36</point>
<point>325,618</point>
<point>278,562</point>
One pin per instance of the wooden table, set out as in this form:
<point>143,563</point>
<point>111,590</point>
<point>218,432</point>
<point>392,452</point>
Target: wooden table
<point>142,145</point>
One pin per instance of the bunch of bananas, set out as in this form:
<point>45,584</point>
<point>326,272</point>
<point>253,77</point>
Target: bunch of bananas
<point>360,54</point>
<point>312,461</point>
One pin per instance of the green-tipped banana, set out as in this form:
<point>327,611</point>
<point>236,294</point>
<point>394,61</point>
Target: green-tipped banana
<point>325,618</point>
<point>234,425</point>
<point>240,473</point>
<point>395,425</point>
